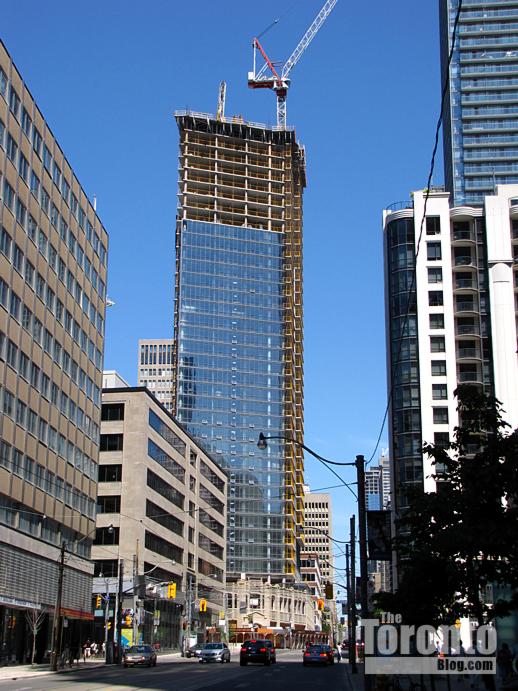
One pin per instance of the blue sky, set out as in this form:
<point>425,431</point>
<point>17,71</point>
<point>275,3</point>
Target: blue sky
<point>364,100</point>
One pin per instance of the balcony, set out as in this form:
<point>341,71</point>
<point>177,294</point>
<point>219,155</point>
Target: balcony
<point>472,377</point>
<point>465,283</point>
<point>463,236</point>
<point>465,306</point>
<point>468,354</point>
<point>467,330</point>
<point>463,260</point>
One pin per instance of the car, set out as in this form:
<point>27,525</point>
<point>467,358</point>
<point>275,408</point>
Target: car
<point>317,655</point>
<point>214,652</point>
<point>330,653</point>
<point>193,651</point>
<point>139,655</point>
<point>262,651</point>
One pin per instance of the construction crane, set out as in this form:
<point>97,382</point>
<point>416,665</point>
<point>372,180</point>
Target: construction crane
<point>280,83</point>
<point>220,113</point>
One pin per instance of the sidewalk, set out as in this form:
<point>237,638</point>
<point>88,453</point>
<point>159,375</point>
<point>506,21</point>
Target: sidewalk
<point>14,672</point>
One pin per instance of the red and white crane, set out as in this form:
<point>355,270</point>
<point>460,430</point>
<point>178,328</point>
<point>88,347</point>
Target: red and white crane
<point>279,80</point>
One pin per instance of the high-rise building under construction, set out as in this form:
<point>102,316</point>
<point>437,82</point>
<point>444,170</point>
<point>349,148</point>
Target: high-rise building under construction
<point>238,326</point>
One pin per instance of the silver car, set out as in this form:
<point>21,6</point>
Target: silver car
<point>215,652</point>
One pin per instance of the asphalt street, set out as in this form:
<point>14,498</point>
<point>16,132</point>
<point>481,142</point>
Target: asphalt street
<point>188,675</point>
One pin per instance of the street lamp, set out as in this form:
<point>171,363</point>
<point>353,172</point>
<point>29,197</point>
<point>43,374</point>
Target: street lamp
<point>359,464</point>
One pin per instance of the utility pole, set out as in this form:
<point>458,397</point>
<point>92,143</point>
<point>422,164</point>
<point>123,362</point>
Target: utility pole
<point>364,574</point>
<point>352,585</point>
<point>119,611</point>
<point>56,626</point>
<point>106,617</point>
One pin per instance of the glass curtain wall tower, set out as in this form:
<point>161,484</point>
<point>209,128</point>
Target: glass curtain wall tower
<point>481,113</point>
<point>238,326</point>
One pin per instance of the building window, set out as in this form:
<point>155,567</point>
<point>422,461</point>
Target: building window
<point>438,368</point>
<point>437,344</point>
<point>112,411</point>
<point>106,536</point>
<point>440,416</point>
<point>435,298</point>
<point>439,392</point>
<point>441,439</point>
<point>435,275</point>
<point>109,504</point>
<point>437,321</point>
<point>433,251</point>
<point>111,442</point>
<point>433,225</point>
<point>110,473</point>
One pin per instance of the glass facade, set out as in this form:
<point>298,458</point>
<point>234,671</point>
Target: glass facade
<point>231,376</point>
<point>406,404</point>
<point>481,115</point>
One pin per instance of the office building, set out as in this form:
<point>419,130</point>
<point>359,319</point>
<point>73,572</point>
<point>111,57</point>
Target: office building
<point>481,113</point>
<point>161,514</point>
<point>318,526</point>
<point>52,305</point>
<point>238,326</point>
<point>458,324</point>
<point>155,369</point>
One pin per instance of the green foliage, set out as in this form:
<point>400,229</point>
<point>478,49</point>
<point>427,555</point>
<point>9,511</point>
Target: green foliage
<point>456,541</point>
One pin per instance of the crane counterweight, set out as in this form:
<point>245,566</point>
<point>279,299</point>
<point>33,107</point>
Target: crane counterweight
<point>280,83</point>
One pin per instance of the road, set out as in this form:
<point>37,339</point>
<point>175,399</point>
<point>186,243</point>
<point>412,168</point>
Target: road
<point>188,675</point>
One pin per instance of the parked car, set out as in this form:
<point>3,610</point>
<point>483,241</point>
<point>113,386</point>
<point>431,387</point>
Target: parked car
<point>214,652</point>
<point>139,655</point>
<point>193,651</point>
<point>262,651</point>
<point>317,655</point>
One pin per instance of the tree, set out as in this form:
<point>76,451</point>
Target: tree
<point>455,542</point>
<point>34,619</point>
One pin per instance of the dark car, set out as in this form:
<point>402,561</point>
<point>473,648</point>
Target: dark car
<point>193,651</point>
<point>330,653</point>
<point>139,655</point>
<point>317,655</point>
<point>214,652</point>
<point>257,651</point>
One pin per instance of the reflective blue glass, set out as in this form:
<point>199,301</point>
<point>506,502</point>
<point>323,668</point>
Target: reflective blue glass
<point>231,379</point>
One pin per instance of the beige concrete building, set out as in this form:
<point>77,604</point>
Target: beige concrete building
<point>155,369</point>
<point>161,514</point>
<point>318,525</point>
<point>311,574</point>
<point>286,610</point>
<point>53,255</point>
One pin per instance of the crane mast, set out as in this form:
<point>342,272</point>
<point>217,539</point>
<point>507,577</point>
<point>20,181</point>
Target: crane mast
<point>280,82</point>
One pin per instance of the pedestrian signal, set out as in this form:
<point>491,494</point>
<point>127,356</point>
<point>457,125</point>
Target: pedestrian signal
<point>203,605</point>
<point>171,591</point>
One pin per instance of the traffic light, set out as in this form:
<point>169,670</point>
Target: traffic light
<point>329,590</point>
<point>98,602</point>
<point>203,605</point>
<point>320,605</point>
<point>127,620</point>
<point>108,625</point>
<point>171,591</point>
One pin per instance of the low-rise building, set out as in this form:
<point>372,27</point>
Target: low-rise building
<point>161,519</point>
<point>285,612</point>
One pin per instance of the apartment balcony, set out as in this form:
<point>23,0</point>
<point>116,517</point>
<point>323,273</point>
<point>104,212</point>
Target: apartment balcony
<point>467,329</point>
<point>466,306</point>
<point>461,237</point>
<point>468,353</point>
<point>465,285</point>
<point>471,377</point>
<point>464,260</point>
